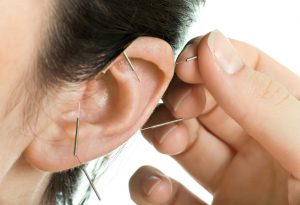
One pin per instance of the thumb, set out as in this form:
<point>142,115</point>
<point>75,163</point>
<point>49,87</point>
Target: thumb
<point>262,106</point>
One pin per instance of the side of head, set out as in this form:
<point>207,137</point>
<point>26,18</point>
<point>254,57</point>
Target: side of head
<point>63,47</point>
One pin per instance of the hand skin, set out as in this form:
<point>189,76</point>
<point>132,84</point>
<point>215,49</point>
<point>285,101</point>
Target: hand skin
<point>242,139</point>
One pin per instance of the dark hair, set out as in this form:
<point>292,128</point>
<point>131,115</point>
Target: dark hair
<point>85,35</point>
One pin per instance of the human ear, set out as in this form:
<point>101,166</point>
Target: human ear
<point>113,108</point>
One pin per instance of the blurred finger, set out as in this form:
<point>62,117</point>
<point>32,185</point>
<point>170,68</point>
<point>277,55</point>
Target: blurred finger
<point>189,142</point>
<point>253,177</point>
<point>186,70</point>
<point>158,136</point>
<point>263,63</point>
<point>148,186</point>
<point>260,104</point>
<point>195,101</point>
<point>252,56</point>
<point>188,101</point>
<point>224,127</point>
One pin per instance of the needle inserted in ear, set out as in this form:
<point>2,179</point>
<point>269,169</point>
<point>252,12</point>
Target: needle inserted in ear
<point>75,154</point>
<point>162,124</point>
<point>76,131</point>
<point>90,180</point>
<point>188,59</point>
<point>131,65</point>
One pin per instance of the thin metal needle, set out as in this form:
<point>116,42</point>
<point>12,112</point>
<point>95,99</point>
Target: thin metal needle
<point>75,154</point>
<point>191,58</point>
<point>188,59</point>
<point>90,180</point>
<point>76,131</point>
<point>162,124</point>
<point>131,65</point>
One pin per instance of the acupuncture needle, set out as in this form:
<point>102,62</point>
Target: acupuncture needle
<point>76,156</point>
<point>163,124</point>
<point>131,66</point>
<point>187,60</point>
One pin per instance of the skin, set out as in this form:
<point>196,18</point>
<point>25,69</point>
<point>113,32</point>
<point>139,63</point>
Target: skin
<point>242,140</point>
<point>30,152</point>
<point>245,150</point>
<point>19,23</point>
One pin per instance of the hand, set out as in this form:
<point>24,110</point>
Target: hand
<point>242,137</point>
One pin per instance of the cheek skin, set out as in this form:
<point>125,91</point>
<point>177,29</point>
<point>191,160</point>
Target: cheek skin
<point>20,28</point>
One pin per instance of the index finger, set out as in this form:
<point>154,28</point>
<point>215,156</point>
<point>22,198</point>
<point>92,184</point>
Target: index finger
<point>189,72</point>
<point>261,105</point>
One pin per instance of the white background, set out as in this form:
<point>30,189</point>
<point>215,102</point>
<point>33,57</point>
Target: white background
<point>270,25</point>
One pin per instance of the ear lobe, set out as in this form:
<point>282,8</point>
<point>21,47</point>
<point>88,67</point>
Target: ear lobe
<point>113,108</point>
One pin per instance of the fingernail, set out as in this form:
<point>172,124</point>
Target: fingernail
<point>150,184</point>
<point>184,50</point>
<point>179,98</point>
<point>162,134</point>
<point>224,52</point>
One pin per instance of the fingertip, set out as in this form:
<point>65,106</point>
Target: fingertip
<point>157,189</point>
<point>205,54</point>
<point>169,139</point>
<point>189,101</point>
<point>174,142</point>
<point>149,185</point>
<point>212,75</point>
<point>188,71</point>
<point>188,104</point>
